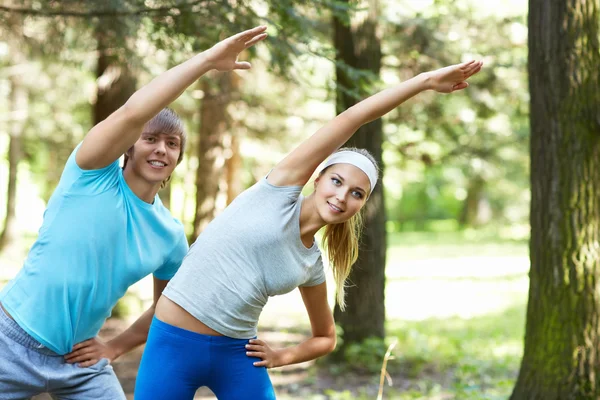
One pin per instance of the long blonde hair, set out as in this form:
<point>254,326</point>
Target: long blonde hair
<point>342,241</point>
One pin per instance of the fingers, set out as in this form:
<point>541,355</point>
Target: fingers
<point>473,68</point>
<point>255,345</point>
<point>73,354</point>
<point>466,64</point>
<point>80,356</point>
<point>242,65</point>
<point>262,363</point>
<point>250,33</point>
<point>255,40</point>
<point>459,86</point>
<point>88,363</point>
<point>257,348</point>
<point>257,354</point>
<point>85,343</point>
<point>81,352</point>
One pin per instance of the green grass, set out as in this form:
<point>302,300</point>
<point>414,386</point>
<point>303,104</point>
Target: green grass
<point>420,245</point>
<point>456,307</point>
<point>473,358</point>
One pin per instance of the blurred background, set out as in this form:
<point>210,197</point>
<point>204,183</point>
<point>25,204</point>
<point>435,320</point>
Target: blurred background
<point>451,218</point>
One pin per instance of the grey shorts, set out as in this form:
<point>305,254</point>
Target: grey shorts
<point>27,368</point>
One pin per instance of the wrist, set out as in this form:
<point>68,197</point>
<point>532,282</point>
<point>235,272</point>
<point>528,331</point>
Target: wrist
<point>425,80</point>
<point>203,61</point>
<point>116,348</point>
<point>280,358</point>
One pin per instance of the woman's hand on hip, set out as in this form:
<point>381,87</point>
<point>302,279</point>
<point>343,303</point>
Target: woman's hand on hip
<point>259,349</point>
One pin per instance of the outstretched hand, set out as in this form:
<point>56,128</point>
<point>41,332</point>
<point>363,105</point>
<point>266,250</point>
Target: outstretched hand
<point>453,77</point>
<point>223,55</point>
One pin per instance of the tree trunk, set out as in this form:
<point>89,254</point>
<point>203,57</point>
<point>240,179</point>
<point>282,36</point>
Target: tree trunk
<point>19,109</point>
<point>233,166</point>
<point>358,45</point>
<point>114,78</point>
<point>212,146</point>
<point>562,348</point>
<point>472,213</point>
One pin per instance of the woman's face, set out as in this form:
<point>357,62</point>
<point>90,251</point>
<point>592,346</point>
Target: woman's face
<point>340,192</point>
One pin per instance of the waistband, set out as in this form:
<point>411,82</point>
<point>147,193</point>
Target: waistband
<point>11,329</point>
<point>157,323</point>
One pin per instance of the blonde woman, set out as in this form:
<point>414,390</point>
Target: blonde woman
<point>262,245</point>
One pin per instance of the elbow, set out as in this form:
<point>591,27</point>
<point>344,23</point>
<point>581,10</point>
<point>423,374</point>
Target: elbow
<point>129,112</point>
<point>357,116</point>
<point>332,343</point>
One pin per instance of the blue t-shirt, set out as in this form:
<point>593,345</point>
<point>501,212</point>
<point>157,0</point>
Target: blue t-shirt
<point>97,239</point>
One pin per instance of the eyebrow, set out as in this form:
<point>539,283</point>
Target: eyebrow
<point>357,187</point>
<point>159,133</point>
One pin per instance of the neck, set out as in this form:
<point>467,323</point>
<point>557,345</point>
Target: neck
<point>143,189</point>
<point>310,221</point>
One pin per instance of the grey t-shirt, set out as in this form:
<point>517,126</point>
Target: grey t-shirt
<point>250,252</point>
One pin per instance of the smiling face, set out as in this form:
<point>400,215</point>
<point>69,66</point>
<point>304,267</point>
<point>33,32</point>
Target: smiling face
<point>340,192</point>
<point>154,156</point>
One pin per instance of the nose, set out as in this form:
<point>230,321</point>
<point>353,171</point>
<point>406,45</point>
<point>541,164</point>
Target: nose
<point>341,195</point>
<point>160,147</point>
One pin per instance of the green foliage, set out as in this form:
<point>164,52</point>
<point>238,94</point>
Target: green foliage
<point>127,306</point>
<point>367,355</point>
<point>479,134</point>
<point>480,356</point>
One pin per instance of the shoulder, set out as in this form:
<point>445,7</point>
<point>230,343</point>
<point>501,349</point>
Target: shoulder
<point>78,180</point>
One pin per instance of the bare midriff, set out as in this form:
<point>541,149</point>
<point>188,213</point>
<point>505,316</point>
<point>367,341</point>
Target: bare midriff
<point>171,313</point>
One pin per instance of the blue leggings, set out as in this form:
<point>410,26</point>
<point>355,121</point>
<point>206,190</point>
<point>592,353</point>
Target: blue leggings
<point>176,362</point>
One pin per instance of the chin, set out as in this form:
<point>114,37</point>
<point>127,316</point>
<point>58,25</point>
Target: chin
<point>330,219</point>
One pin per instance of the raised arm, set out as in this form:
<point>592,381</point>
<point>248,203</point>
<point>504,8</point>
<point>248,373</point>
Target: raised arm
<point>299,165</point>
<point>112,137</point>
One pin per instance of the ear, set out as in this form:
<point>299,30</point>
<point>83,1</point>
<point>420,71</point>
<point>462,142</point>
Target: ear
<point>317,181</point>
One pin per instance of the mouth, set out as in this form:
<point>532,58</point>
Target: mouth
<point>335,208</point>
<point>157,164</point>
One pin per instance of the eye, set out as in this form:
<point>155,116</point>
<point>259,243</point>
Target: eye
<point>356,194</point>
<point>150,139</point>
<point>336,181</point>
<point>173,144</point>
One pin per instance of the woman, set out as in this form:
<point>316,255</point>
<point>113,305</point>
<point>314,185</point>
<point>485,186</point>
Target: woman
<point>262,245</point>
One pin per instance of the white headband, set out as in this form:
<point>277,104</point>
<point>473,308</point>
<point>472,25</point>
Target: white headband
<point>358,160</point>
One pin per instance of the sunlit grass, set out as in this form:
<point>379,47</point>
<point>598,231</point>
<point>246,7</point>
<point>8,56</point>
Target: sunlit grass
<point>456,305</point>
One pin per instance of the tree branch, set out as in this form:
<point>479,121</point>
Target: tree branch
<point>99,13</point>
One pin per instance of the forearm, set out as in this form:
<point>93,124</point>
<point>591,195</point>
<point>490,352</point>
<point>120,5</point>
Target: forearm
<point>310,349</point>
<point>337,131</point>
<point>385,101</point>
<point>134,336</point>
<point>165,88</point>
